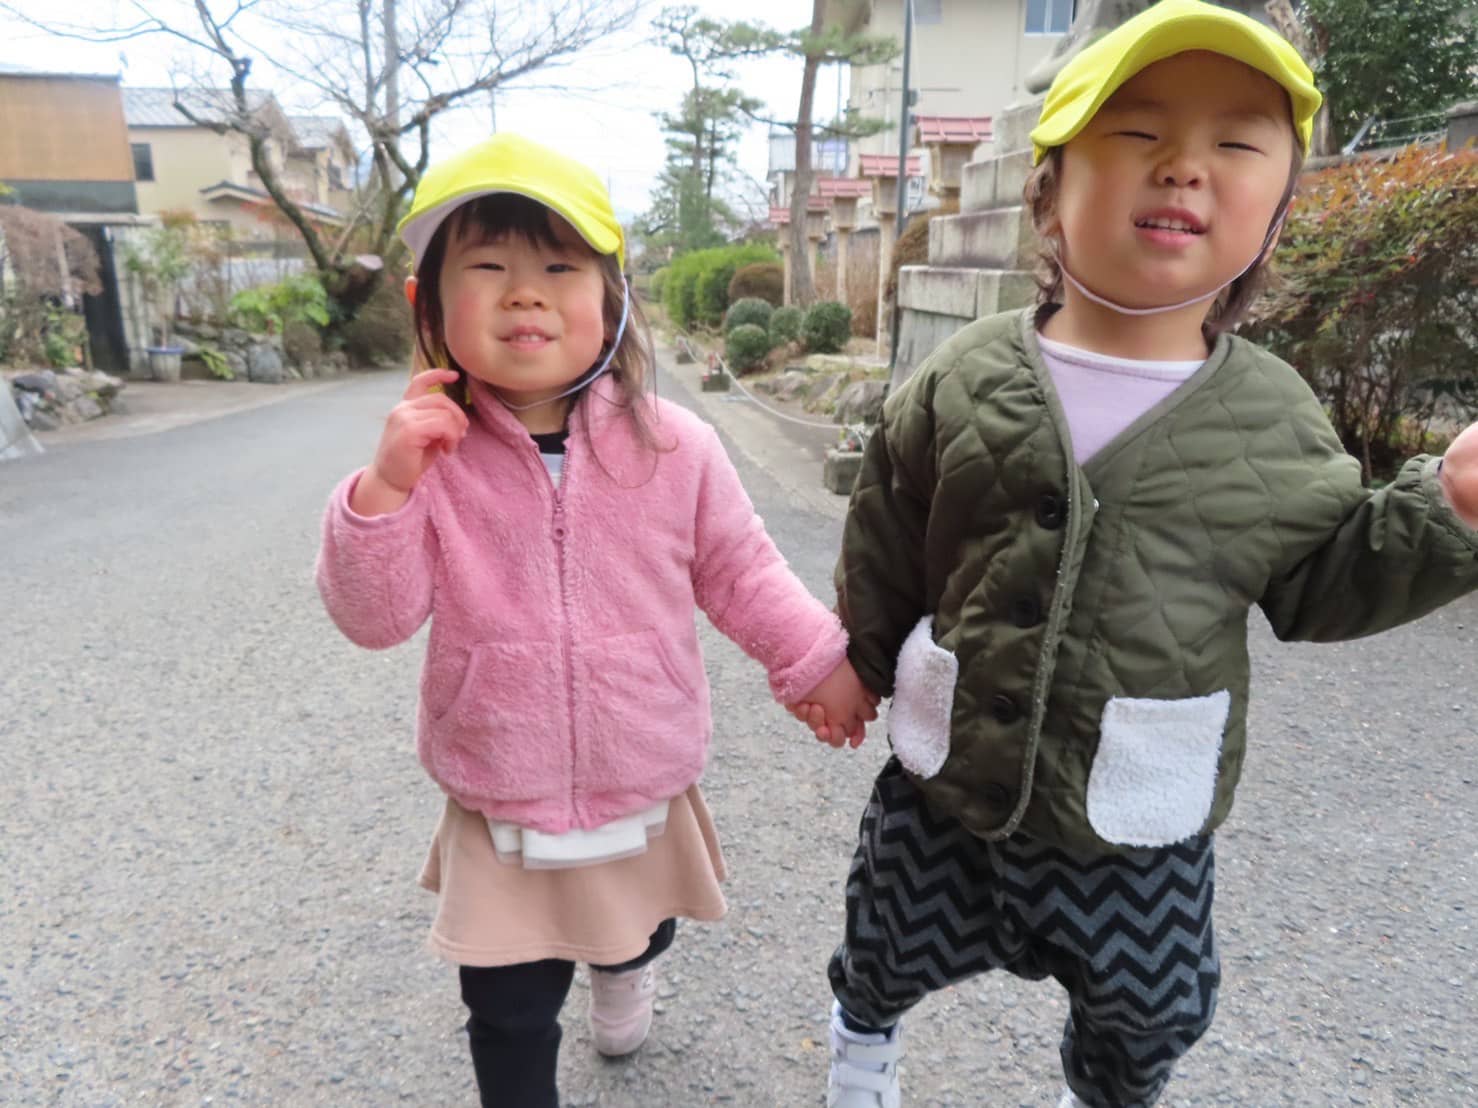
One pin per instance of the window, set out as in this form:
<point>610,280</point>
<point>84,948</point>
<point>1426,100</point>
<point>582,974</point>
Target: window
<point>1049,17</point>
<point>928,11</point>
<point>143,161</point>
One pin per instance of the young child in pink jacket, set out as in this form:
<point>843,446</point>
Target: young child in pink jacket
<point>558,525</point>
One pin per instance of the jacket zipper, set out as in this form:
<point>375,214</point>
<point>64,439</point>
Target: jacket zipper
<point>561,531</point>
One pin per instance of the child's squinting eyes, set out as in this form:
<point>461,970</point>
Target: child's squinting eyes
<point>1229,145</point>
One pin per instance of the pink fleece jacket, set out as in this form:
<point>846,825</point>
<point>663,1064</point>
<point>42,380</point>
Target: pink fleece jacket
<point>563,685</point>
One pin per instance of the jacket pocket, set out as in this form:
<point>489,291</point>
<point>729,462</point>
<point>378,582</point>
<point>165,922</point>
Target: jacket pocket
<point>1154,776</point>
<point>499,737</point>
<point>639,713</point>
<point>923,700</point>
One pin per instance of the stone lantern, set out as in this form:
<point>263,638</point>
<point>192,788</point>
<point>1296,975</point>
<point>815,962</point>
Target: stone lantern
<point>951,141</point>
<point>882,171</point>
<point>843,192</point>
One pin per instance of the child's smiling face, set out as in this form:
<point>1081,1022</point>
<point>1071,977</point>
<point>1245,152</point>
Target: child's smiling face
<point>524,316</point>
<point>1169,191</point>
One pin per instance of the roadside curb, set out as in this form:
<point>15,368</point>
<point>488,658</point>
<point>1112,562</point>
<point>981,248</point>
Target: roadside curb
<point>152,407</point>
<point>757,434</point>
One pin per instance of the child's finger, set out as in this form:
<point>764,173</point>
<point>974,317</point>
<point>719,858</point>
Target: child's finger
<point>422,383</point>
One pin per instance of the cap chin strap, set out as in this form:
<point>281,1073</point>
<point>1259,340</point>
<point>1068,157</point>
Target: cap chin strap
<point>1123,310</point>
<point>584,379</point>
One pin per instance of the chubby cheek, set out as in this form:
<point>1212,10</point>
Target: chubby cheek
<point>465,319</point>
<point>585,329</point>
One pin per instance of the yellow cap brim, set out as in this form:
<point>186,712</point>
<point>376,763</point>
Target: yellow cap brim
<point>507,163</point>
<point>418,228</point>
<point>1169,28</point>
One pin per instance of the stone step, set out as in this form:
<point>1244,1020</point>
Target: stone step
<point>994,182</point>
<point>1001,238</point>
<point>1013,127</point>
<point>963,293</point>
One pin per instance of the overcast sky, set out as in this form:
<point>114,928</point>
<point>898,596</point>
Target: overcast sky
<point>603,115</point>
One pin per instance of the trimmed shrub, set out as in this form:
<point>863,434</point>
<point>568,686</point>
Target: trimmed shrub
<point>382,332</point>
<point>302,344</point>
<point>658,280</point>
<point>761,280</point>
<point>745,347</point>
<point>785,325</point>
<point>827,327</point>
<point>748,310</point>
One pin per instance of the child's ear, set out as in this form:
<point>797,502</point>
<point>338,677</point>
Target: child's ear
<point>410,291</point>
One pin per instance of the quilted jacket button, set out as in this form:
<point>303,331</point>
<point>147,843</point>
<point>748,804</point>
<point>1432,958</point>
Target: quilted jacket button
<point>997,796</point>
<point>1026,611</point>
<point>1004,708</point>
<point>1049,511</point>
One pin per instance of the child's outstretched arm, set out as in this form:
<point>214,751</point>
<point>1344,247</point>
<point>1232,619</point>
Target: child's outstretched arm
<point>1459,473</point>
<point>379,545</point>
<point>749,592</point>
<point>1382,558</point>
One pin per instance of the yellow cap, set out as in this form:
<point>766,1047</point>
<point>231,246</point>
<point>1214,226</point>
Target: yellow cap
<point>1159,32</point>
<point>511,163</point>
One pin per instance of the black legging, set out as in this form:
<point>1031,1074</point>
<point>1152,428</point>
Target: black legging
<point>513,1028</point>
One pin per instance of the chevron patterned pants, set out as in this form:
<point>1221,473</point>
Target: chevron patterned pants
<point>1127,935</point>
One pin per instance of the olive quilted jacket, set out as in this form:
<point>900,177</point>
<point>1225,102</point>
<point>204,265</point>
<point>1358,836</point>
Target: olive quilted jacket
<point>1066,646</point>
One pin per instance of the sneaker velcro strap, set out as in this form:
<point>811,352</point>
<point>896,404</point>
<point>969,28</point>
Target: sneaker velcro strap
<point>879,1054</point>
<point>850,1077</point>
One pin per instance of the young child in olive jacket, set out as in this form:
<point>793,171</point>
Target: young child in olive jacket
<point>1060,527</point>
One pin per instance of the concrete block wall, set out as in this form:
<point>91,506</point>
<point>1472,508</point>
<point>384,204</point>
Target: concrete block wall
<point>980,260</point>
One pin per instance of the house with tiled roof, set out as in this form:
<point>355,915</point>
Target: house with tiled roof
<point>184,163</point>
<point>64,152</point>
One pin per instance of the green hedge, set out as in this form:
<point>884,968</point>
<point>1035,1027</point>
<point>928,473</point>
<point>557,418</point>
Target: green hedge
<point>696,289</point>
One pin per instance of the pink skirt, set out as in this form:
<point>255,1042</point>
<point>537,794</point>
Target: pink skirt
<point>494,913</point>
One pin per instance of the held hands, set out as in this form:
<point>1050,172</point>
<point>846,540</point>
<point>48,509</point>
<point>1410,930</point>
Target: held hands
<point>1460,475</point>
<point>838,710</point>
<point>419,429</point>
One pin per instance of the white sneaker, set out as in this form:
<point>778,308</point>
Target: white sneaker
<point>864,1068</point>
<point>621,1009</point>
<point>1070,1100</point>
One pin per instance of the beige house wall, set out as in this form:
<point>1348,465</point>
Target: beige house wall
<point>973,62</point>
<point>189,159</point>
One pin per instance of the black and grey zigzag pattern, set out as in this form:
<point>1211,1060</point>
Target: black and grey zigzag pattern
<point>1128,935</point>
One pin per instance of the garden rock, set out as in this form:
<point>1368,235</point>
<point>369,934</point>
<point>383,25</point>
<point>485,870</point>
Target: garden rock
<point>790,385</point>
<point>264,364</point>
<point>860,402</point>
<point>49,399</point>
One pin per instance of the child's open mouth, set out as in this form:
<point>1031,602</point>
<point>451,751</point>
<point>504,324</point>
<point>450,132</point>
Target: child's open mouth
<point>527,338</point>
<point>1175,228</point>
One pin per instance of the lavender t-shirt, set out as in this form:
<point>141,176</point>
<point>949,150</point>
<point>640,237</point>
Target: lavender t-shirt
<point>1102,396</point>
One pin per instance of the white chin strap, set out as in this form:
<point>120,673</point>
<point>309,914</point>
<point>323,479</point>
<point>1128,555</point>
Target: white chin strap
<point>584,379</point>
<point>1123,310</point>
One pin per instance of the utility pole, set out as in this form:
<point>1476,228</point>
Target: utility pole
<point>903,128</point>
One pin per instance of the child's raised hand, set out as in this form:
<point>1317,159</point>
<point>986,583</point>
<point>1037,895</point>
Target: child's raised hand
<point>838,710</point>
<point>1460,475</point>
<point>421,427</point>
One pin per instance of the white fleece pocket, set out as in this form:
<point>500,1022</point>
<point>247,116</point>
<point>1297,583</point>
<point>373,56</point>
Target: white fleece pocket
<point>923,698</point>
<point>1154,776</point>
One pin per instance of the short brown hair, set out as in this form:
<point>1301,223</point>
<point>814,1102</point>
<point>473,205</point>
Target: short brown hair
<point>490,218</point>
<point>1227,310</point>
